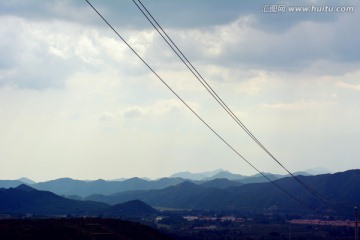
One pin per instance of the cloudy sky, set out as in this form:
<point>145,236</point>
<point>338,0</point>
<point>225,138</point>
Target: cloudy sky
<point>76,102</point>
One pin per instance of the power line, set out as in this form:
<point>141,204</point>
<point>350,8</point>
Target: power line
<point>199,77</point>
<point>198,116</point>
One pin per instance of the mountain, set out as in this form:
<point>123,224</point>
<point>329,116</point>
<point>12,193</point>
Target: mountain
<point>342,188</point>
<point>71,187</point>
<point>220,183</point>
<point>25,188</point>
<point>26,180</point>
<point>216,195</point>
<point>24,199</point>
<point>10,183</point>
<point>77,189</point>
<point>227,175</point>
<point>303,173</point>
<point>182,193</point>
<point>131,209</point>
<point>15,183</point>
<point>208,176</point>
<point>317,171</point>
<point>196,176</point>
<point>258,178</point>
<point>27,200</point>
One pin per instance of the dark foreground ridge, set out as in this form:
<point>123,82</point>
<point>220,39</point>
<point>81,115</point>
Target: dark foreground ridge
<point>114,229</point>
<point>79,229</point>
<point>26,201</point>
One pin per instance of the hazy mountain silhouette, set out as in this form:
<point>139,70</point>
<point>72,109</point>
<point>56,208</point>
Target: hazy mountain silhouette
<point>220,183</point>
<point>196,176</point>
<point>26,180</point>
<point>257,178</point>
<point>68,186</point>
<point>226,174</point>
<point>76,189</point>
<point>15,183</point>
<point>10,183</point>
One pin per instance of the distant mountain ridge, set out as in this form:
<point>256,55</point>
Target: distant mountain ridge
<point>73,188</point>
<point>226,174</point>
<point>220,183</point>
<point>68,186</point>
<point>77,189</point>
<point>26,180</point>
<point>220,173</point>
<point>10,183</point>
<point>196,176</point>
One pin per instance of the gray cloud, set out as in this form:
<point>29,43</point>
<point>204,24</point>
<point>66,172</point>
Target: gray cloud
<point>173,14</point>
<point>299,49</point>
<point>182,15</point>
<point>133,113</point>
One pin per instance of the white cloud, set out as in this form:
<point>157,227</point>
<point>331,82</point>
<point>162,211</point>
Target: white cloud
<point>158,108</point>
<point>106,116</point>
<point>348,85</point>
<point>133,112</point>
<point>298,106</point>
<point>253,86</point>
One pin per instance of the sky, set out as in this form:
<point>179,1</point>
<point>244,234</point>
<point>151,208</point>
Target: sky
<point>76,102</point>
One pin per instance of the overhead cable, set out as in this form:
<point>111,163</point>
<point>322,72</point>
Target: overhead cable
<point>198,116</point>
<point>205,84</point>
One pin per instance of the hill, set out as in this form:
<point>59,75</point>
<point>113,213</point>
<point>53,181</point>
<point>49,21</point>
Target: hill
<point>220,183</point>
<point>26,180</point>
<point>24,200</point>
<point>10,183</point>
<point>15,183</point>
<point>131,209</point>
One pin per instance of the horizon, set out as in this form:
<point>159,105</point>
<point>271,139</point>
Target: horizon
<point>316,171</point>
<point>75,101</point>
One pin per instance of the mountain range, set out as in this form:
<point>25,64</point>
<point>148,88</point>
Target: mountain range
<point>341,191</point>
<point>68,186</point>
<point>78,189</point>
